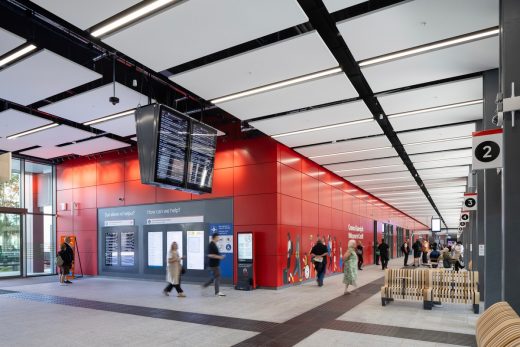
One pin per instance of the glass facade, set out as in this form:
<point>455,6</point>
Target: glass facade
<point>27,241</point>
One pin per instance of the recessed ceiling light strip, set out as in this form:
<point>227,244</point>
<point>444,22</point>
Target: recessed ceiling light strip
<point>368,168</point>
<point>350,152</point>
<point>18,54</point>
<point>32,131</point>
<point>107,118</point>
<point>132,16</point>
<point>324,128</point>
<point>478,35</point>
<point>437,108</point>
<point>277,85</point>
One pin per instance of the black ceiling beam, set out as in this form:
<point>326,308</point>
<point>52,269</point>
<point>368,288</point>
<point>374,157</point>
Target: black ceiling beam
<point>363,8</point>
<point>325,24</point>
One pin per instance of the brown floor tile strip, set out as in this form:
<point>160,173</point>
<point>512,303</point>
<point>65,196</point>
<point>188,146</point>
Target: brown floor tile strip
<point>404,333</point>
<point>150,312</point>
<point>306,324</point>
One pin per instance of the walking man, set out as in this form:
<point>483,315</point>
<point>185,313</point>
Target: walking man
<point>70,253</point>
<point>359,253</point>
<point>383,250</point>
<point>214,265</point>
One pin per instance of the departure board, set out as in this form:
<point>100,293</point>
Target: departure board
<point>202,156</point>
<point>172,145</point>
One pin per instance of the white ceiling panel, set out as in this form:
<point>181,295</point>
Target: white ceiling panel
<point>97,145</point>
<point>435,118</point>
<point>443,163</point>
<point>415,23</point>
<point>311,93</point>
<point>41,75</point>
<point>460,189</point>
<point>381,177</point>
<point>454,61</point>
<point>336,5</point>
<point>367,171</point>
<point>439,146</point>
<point>123,126</point>
<point>427,97</point>
<point>47,152</point>
<point>196,28</point>
<point>314,118</point>
<point>378,153</point>
<point>273,63</point>
<point>85,14</point>
<point>345,146</point>
<point>447,132</point>
<point>14,122</point>
<point>53,136</point>
<point>433,157</point>
<point>94,103</point>
<point>339,133</point>
<point>365,164</point>
<point>9,41</point>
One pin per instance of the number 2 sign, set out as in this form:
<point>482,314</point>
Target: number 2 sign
<point>487,149</point>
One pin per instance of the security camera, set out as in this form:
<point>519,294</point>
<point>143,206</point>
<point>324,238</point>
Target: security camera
<point>114,100</point>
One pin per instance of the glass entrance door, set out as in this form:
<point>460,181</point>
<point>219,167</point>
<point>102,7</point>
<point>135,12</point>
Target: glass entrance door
<point>10,241</point>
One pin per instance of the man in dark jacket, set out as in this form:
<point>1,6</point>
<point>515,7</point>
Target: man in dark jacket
<point>319,255</point>
<point>359,252</point>
<point>383,250</point>
<point>406,251</point>
<point>417,247</point>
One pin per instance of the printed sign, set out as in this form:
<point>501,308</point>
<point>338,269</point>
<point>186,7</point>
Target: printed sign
<point>481,250</point>
<point>464,217</point>
<point>225,232</point>
<point>195,249</point>
<point>462,224</point>
<point>487,149</point>
<point>245,246</point>
<point>470,202</point>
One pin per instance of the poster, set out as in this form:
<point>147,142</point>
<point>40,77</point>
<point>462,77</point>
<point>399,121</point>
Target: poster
<point>195,250</point>
<point>225,232</point>
<point>155,248</point>
<point>245,246</point>
<point>177,237</point>
<point>128,248</point>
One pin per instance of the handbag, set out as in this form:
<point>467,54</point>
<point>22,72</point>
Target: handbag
<point>183,271</point>
<point>59,261</point>
<point>318,259</point>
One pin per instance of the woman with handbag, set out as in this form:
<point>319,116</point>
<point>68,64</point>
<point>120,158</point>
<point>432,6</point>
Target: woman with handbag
<point>173,271</point>
<point>63,263</point>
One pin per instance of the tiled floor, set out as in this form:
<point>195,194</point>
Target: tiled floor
<point>106,311</point>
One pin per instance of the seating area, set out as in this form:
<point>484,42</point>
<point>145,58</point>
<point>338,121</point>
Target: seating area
<point>432,286</point>
<point>499,326</point>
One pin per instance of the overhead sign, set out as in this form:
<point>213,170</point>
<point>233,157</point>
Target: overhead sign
<point>460,230</point>
<point>487,149</point>
<point>470,202</point>
<point>464,217</point>
<point>462,225</point>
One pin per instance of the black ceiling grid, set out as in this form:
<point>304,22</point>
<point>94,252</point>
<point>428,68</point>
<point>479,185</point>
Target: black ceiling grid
<point>324,23</point>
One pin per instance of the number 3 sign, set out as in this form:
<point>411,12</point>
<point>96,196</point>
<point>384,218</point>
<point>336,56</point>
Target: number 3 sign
<point>470,202</point>
<point>487,149</point>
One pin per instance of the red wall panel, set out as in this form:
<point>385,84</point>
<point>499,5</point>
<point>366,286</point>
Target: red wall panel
<point>169,195</point>
<point>222,185</point>
<point>325,217</point>
<point>255,151</point>
<point>84,175</point>
<point>110,171</point>
<point>137,193</point>
<point>290,181</point>
<point>310,214</point>
<point>64,175</point>
<point>310,168</point>
<point>255,179</point>
<point>64,196</point>
<point>84,197</point>
<point>256,209</point>
<point>337,219</point>
<point>110,195</point>
<point>85,219</point>
<point>290,210</point>
<point>337,199</point>
<point>290,158</point>
<point>310,189</point>
<point>224,155</point>
<point>87,241</point>
<point>325,194</point>
<point>132,169</point>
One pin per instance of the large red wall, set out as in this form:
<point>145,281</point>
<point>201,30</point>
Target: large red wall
<point>275,192</point>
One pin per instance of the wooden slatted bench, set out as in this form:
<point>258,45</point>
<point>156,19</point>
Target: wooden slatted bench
<point>499,326</point>
<point>455,287</point>
<point>406,284</point>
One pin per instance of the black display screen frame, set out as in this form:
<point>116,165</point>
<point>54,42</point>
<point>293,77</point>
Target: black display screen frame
<point>194,186</point>
<point>169,182</point>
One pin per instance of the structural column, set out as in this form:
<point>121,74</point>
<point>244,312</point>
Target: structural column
<point>492,205</point>
<point>510,73</point>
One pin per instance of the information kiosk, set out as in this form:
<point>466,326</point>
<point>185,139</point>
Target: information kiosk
<point>245,268</point>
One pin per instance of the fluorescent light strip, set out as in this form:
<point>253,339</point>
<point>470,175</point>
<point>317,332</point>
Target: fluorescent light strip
<point>45,127</point>
<point>368,168</point>
<point>438,108</point>
<point>430,47</point>
<point>17,54</point>
<point>438,140</point>
<point>380,179</point>
<point>130,17</point>
<point>107,118</point>
<point>324,128</point>
<point>351,152</point>
<point>277,85</point>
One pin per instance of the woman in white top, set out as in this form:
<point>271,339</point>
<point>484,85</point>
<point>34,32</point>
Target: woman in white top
<point>173,271</point>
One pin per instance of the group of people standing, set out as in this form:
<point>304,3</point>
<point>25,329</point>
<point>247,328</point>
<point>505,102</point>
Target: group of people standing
<point>433,255</point>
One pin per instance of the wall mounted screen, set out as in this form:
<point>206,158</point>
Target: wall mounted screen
<point>436,224</point>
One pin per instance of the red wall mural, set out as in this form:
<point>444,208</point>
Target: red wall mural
<point>276,193</point>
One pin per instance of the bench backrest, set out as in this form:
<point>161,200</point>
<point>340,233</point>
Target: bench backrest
<point>498,326</point>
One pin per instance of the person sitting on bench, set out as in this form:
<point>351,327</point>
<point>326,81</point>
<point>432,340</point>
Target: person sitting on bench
<point>434,256</point>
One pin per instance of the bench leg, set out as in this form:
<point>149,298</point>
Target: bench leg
<point>383,301</point>
<point>428,305</point>
<point>476,308</point>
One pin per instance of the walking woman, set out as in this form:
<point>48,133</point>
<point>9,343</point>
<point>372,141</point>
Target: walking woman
<point>173,271</point>
<point>350,270</point>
